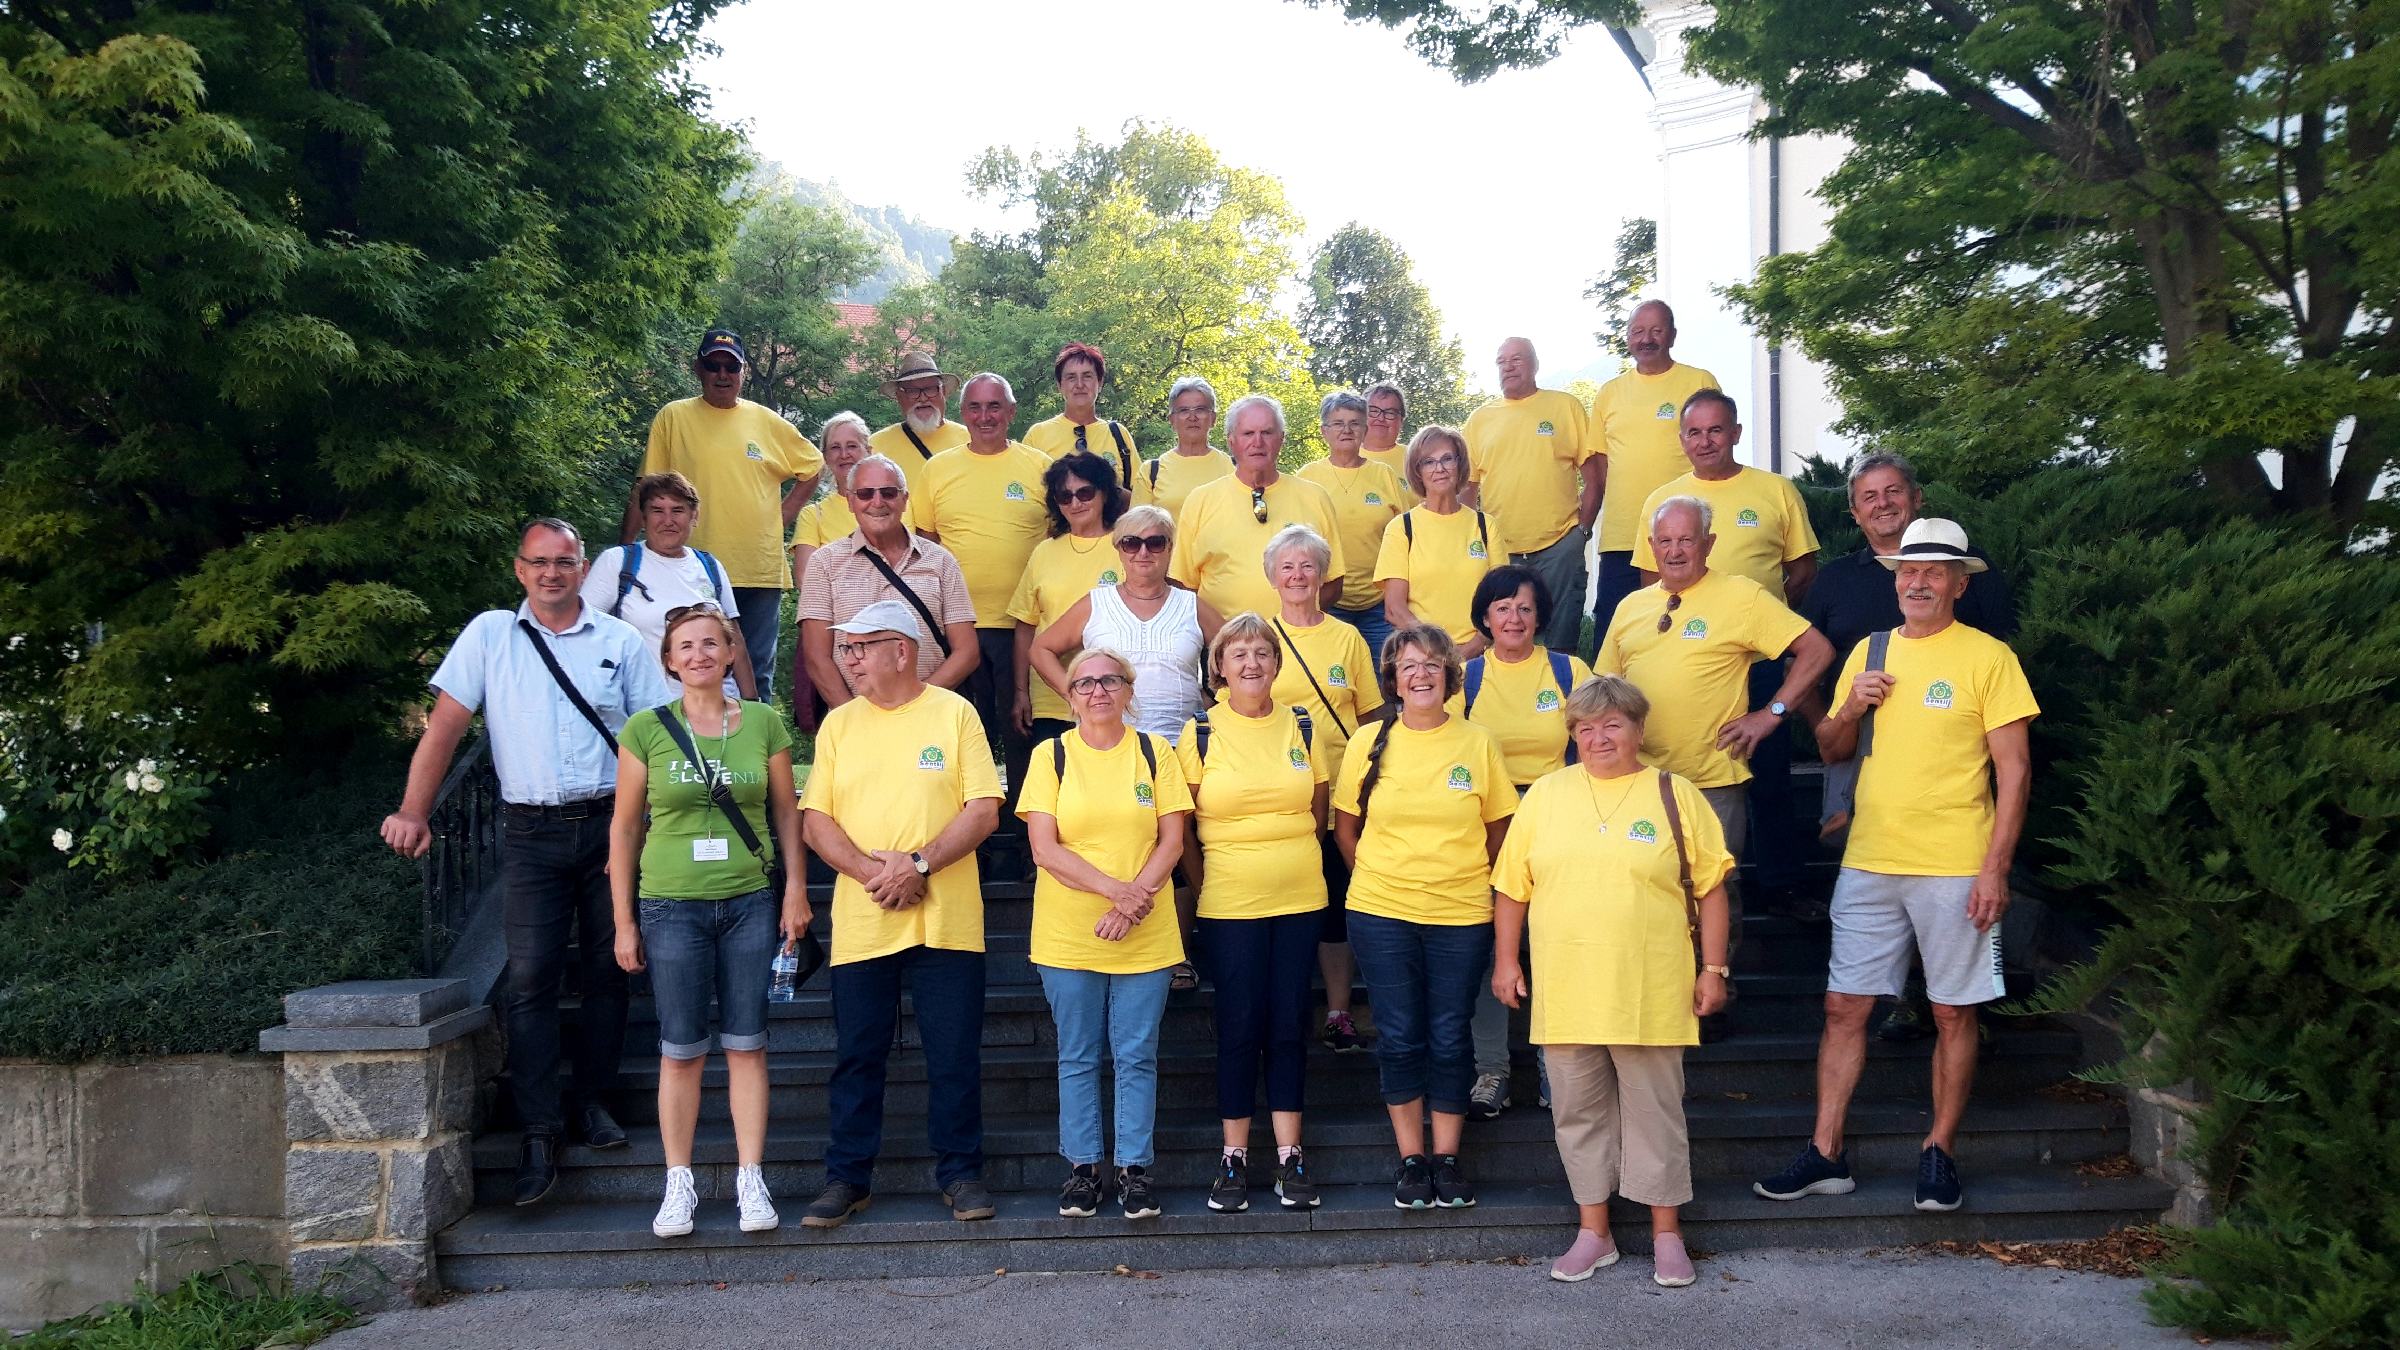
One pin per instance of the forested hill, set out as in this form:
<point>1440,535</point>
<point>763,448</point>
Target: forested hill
<point>912,250</point>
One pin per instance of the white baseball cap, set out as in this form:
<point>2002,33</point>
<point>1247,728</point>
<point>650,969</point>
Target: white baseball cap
<point>884,616</point>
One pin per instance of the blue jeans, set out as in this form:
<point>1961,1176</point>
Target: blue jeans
<point>1371,625</point>
<point>701,950</point>
<point>1261,968</point>
<point>946,988</point>
<point>554,877</point>
<point>1422,979</point>
<point>1618,578</point>
<point>761,620</point>
<point>1774,834</point>
<point>1122,1011</point>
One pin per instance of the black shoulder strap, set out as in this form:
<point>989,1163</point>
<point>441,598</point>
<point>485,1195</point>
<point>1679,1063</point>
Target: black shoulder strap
<point>1149,755</point>
<point>718,793</point>
<point>1308,730</point>
<point>1154,476</point>
<point>567,686</point>
<point>1124,451</point>
<point>1483,531</point>
<point>915,601</point>
<point>1058,759</point>
<point>1294,649</point>
<point>1408,526</point>
<point>1200,729</point>
<point>915,439</point>
<point>1879,645</point>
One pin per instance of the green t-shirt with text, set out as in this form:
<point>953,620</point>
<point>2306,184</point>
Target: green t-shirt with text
<point>681,813</point>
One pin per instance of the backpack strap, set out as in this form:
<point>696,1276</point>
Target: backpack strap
<point>1563,674</point>
<point>1308,730</point>
<point>1116,432</point>
<point>1154,476</point>
<point>1474,683</point>
<point>1058,760</point>
<point>1408,527</point>
<point>1683,861</point>
<point>1879,646</point>
<point>1483,531</point>
<point>629,566</point>
<point>1200,729</point>
<point>716,575</point>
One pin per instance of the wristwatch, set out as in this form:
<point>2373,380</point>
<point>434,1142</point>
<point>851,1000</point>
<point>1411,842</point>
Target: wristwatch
<point>1779,708</point>
<point>923,868</point>
<point>1723,971</point>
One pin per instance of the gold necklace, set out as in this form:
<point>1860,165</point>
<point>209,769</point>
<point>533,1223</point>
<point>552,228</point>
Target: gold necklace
<point>1083,550</point>
<point>1632,780</point>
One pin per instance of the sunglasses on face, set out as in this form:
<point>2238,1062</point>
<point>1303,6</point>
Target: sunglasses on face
<point>1142,543</point>
<point>1077,495</point>
<point>1674,602</point>
<point>868,494</point>
<point>721,367</point>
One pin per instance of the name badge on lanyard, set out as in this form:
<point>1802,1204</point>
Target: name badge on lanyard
<point>711,850</point>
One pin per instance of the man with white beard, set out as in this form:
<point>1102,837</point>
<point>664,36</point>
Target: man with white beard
<point>923,393</point>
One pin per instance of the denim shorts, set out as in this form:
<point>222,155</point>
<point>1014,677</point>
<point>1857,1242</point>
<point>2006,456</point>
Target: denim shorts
<point>704,950</point>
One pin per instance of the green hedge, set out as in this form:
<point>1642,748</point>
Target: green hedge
<point>300,892</point>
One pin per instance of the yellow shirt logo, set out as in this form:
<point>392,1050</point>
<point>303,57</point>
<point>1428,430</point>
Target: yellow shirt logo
<point>1460,779</point>
<point>1337,677</point>
<point>1695,629</point>
<point>1746,518</point>
<point>1545,429</point>
<point>1642,832</point>
<point>1665,413</point>
<point>930,758</point>
<point>1939,695</point>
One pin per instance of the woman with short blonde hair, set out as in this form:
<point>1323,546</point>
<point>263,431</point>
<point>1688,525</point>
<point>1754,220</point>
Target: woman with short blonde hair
<point>1436,552</point>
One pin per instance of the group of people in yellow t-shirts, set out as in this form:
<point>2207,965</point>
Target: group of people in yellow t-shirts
<point>1344,707</point>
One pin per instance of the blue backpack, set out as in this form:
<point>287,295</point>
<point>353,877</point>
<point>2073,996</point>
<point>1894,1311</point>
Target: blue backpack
<point>1561,673</point>
<point>629,566</point>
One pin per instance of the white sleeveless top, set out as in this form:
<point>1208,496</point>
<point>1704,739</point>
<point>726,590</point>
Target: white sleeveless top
<point>1165,652</point>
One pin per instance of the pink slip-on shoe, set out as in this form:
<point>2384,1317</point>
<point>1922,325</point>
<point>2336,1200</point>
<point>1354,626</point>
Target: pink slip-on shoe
<point>1590,1252</point>
<point>1671,1265</point>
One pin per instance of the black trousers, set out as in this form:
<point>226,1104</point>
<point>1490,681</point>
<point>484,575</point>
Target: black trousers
<point>555,879</point>
<point>993,691</point>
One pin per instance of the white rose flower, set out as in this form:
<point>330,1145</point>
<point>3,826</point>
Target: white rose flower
<point>147,767</point>
<point>74,723</point>
<point>153,783</point>
<point>133,781</point>
<point>62,840</point>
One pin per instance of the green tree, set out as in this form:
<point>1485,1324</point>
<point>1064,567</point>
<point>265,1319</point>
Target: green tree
<point>302,310</point>
<point>1633,268</point>
<point>2155,232</point>
<point>1367,318</point>
<point>788,261</point>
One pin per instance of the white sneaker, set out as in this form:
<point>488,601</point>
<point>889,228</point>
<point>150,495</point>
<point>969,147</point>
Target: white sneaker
<point>758,1208</point>
<point>675,1212</point>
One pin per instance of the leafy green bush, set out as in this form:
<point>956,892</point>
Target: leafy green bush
<point>301,892</point>
<point>2223,750</point>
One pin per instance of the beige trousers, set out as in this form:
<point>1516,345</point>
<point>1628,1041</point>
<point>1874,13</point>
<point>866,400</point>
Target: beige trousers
<point>1618,1113</point>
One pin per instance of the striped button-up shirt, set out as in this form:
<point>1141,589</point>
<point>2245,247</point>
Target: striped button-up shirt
<point>841,582</point>
<point>544,751</point>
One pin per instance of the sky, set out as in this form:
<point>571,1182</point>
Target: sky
<point>1505,194</point>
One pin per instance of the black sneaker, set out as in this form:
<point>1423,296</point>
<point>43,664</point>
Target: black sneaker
<point>1903,1024</point>
<point>1341,1034</point>
<point>1937,1181</point>
<point>1450,1188</point>
<point>1080,1197</point>
<point>968,1198</point>
<point>1231,1193</point>
<point>1811,1173</point>
<point>834,1205</point>
<point>1292,1184</point>
<point>1133,1192</point>
<point>1413,1188</point>
<point>1489,1097</point>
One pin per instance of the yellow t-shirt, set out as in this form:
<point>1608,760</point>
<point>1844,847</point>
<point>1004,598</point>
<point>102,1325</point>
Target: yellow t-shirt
<point>988,511</point>
<point>1525,453</point>
<point>1395,459</point>
<point>1758,518</point>
<point>892,443</point>
<point>1611,938</point>
<point>1925,794</point>
<point>1420,853</point>
<point>1062,570</point>
<point>895,779</point>
<point>1221,545</point>
<point>1366,497</point>
<point>1165,480</point>
<point>1344,668</point>
<point>1252,798</point>
<point>1442,564</point>
<point>738,460</point>
<point>1638,421</point>
<point>829,518</point>
<point>1056,437</point>
<point>1697,672</point>
<point>1107,813</point>
<point>1525,710</point>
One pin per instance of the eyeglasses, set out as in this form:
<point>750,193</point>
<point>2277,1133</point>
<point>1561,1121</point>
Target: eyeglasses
<point>721,367</point>
<point>868,494</point>
<point>1258,504</point>
<point>846,650</point>
<point>1143,543</point>
<point>1674,602</point>
<point>1196,410</point>
<point>550,564</point>
<point>1375,414</point>
<point>1077,495</point>
<point>1092,683</point>
<point>1438,462</point>
<point>1417,667</point>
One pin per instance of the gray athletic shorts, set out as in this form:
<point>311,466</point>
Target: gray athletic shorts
<point>1874,918</point>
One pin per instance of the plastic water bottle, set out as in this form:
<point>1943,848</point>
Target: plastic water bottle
<point>785,986</point>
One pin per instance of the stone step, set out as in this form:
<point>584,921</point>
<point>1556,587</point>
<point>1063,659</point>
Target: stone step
<point>2018,1059</point>
<point>1349,1145</point>
<point>608,1244</point>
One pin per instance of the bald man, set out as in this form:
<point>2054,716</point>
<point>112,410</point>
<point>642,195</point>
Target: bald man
<point>1536,473</point>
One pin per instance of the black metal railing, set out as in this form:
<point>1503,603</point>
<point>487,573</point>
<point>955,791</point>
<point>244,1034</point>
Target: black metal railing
<point>462,868</point>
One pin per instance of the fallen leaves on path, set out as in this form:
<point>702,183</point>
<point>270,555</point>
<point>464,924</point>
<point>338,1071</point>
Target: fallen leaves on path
<point>2117,1165</point>
<point>2125,1253</point>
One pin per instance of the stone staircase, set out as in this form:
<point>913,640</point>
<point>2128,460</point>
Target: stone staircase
<point>1748,1105</point>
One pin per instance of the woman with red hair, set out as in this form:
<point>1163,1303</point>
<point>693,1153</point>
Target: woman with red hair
<point>1080,371</point>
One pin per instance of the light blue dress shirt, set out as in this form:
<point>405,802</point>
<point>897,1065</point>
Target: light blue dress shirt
<point>542,748</point>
